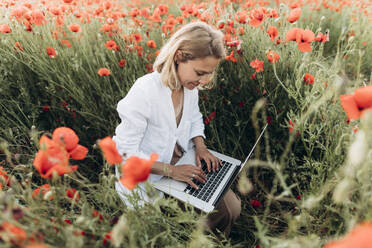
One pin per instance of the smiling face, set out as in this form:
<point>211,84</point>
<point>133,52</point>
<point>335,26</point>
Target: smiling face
<point>191,73</point>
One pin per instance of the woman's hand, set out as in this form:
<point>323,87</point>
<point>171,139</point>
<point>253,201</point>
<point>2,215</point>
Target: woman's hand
<point>202,153</point>
<point>187,172</point>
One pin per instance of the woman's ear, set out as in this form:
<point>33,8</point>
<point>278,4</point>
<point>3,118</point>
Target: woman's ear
<point>178,56</point>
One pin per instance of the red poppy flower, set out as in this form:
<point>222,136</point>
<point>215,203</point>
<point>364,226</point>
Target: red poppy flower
<point>75,28</point>
<point>51,52</point>
<point>257,16</point>
<point>256,203</point>
<point>67,136</point>
<point>304,38</point>
<point>106,238</point>
<point>257,64</point>
<point>18,13</point>
<point>136,170</point>
<point>122,63</point>
<point>16,234</point>
<point>294,15</point>
<point>41,191</point>
<point>292,34</point>
<point>210,117</point>
<point>111,45</point>
<point>151,44</point>
<point>231,57</point>
<point>308,79</point>
<point>65,43</point>
<point>272,56</point>
<point>137,37</point>
<point>52,157</point>
<point>241,17</point>
<point>38,17</point>
<point>322,37</point>
<point>97,214</point>
<point>110,151</point>
<point>4,177</point>
<point>355,105</point>
<point>104,72</point>
<point>272,31</point>
<point>18,46</point>
<point>360,236</point>
<point>71,192</point>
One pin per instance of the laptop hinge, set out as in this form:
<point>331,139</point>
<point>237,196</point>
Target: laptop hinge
<point>227,185</point>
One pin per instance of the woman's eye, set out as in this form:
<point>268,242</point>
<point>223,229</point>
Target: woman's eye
<point>199,74</point>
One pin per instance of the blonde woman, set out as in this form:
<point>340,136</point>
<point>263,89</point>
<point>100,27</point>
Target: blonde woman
<point>160,114</point>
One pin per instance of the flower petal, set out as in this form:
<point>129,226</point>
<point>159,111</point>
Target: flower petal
<point>79,152</point>
<point>363,97</point>
<point>66,135</point>
<point>304,47</point>
<point>350,107</point>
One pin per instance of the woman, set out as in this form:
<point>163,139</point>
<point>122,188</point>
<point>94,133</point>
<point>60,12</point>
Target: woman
<point>160,114</point>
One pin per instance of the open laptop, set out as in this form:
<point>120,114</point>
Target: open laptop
<point>208,195</point>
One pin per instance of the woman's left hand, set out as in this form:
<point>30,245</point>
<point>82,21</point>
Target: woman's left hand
<point>202,153</point>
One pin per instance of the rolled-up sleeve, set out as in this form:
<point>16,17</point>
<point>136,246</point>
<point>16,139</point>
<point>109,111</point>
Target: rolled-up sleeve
<point>197,125</point>
<point>134,112</point>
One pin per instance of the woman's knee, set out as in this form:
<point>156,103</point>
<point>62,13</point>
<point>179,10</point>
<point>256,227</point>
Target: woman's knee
<point>234,205</point>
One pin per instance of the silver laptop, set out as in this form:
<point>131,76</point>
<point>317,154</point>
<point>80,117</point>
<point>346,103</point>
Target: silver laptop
<point>208,195</point>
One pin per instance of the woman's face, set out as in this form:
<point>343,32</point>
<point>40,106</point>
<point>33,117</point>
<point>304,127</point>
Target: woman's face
<point>198,71</point>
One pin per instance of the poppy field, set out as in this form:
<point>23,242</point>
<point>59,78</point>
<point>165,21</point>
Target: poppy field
<point>301,66</point>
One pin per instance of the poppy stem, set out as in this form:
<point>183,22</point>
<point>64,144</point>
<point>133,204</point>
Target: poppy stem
<point>281,83</point>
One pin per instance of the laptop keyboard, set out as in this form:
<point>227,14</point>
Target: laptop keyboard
<point>205,191</point>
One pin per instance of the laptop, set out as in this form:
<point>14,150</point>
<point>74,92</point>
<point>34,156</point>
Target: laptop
<point>208,195</point>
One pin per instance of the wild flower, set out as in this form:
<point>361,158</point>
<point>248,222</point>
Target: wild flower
<point>122,63</point>
<point>231,57</point>
<point>71,193</point>
<point>110,151</point>
<point>272,56</point>
<point>302,37</point>
<point>16,234</point>
<point>322,37</point>
<point>210,118</point>
<point>136,170</point>
<point>257,64</point>
<point>41,191</point>
<point>70,139</point>
<point>4,178</point>
<point>52,157</point>
<point>111,45</point>
<point>272,31</point>
<point>51,52</point>
<point>5,29</point>
<point>38,17</point>
<point>360,236</point>
<point>104,72</point>
<point>255,203</point>
<point>308,79</point>
<point>75,28</point>
<point>65,43</point>
<point>294,15</point>
<point>257,16</point>
<point>151,44</point>
<point>356,104</point>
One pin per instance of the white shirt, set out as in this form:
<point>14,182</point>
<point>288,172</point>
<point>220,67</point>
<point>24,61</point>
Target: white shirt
<point>148,125</point>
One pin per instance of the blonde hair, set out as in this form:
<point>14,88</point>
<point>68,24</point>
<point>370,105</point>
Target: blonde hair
<point>194,40</point>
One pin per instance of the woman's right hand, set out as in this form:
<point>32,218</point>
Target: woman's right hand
<point>187,172</point>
